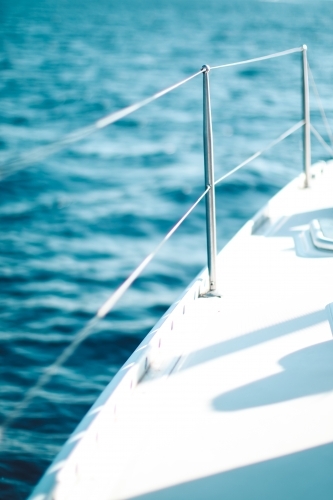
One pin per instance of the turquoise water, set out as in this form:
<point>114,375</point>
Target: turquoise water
<point>74,225</point>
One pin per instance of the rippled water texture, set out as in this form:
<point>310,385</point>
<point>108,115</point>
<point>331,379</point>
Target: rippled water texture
<point>74,225</point>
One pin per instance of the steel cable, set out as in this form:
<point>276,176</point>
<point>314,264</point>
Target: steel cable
<point>88,329</point>
<point>321,140</point>
<point>22,161</point>
<point>283,136</point>
<point>269,56</point>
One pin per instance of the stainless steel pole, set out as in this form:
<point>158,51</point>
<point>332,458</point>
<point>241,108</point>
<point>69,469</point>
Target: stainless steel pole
<point>306,116</point>
<point>209,181</point>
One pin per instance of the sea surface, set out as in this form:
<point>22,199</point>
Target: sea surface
<point>75,224</point>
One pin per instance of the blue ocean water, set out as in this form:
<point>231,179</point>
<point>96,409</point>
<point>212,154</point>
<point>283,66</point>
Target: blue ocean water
<point>74,225</point>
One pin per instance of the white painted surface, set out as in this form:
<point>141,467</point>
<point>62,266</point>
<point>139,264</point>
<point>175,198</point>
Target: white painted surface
<point>238,400</point>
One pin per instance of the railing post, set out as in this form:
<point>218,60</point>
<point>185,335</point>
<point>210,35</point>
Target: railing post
<point>209,181</point>
<point>306,117</point>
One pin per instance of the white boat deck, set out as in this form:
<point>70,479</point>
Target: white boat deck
<point>237,402</point>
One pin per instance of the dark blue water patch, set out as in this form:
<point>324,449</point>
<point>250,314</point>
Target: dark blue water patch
<point>144,283</point>
<point>18,120</point>
<point>220,37</point>
<point>104,349</point>
<point>127,123</point>
<point>238,187</point>
<point>124,224</point>
<point>5,64</point>
<point>252,72</point>
<point>181,194</point>
<point>12,468</point>
<point>157,310</point>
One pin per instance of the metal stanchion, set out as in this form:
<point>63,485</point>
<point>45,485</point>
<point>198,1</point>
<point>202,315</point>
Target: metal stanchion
<point>209,181</point>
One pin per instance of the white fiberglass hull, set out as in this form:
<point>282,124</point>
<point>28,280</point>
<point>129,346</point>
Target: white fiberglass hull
<point>228,397</point>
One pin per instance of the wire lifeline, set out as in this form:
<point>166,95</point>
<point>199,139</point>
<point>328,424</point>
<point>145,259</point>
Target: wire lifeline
<point>38,154</point>
<point>283,136</point>
<point>23,161</point>
<point>113,299</point>
<point>88,329</point>
<point>262,58</point>
<point>321,107</point>
<point>321,139</point>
